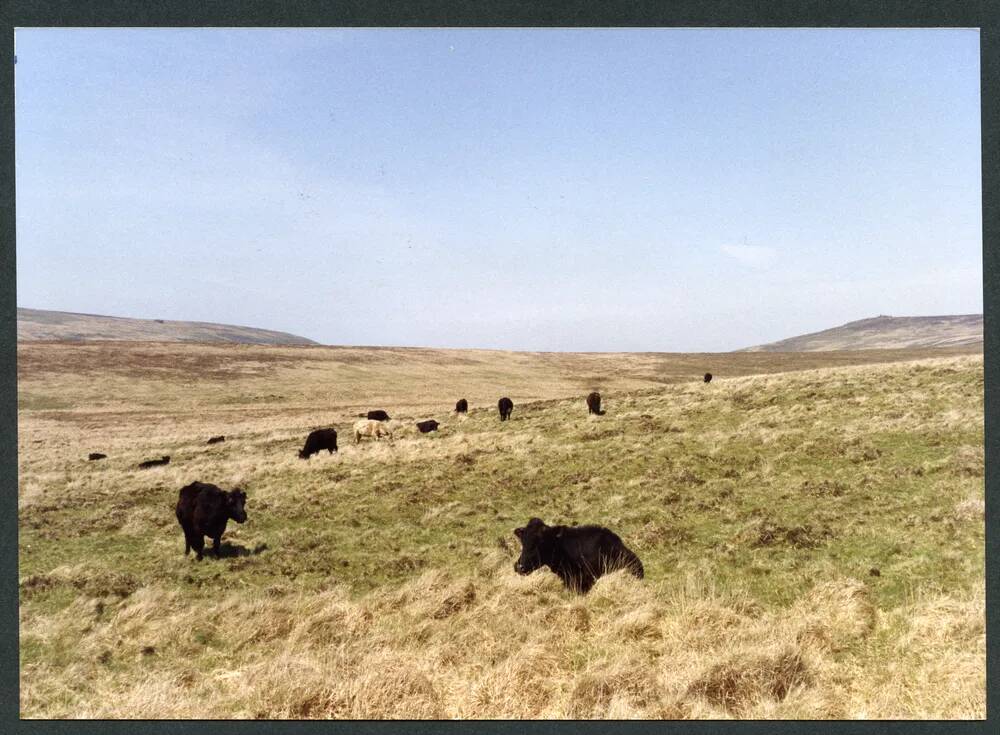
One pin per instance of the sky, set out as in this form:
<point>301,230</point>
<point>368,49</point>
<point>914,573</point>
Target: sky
<point>672,190</point>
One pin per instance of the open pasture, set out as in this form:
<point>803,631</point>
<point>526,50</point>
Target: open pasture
<point>811,526</point>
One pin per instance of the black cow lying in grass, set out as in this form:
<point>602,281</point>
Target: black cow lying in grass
<point>427,426</point>
<point>96,455</point>
<point>506,406</point>
<point>154,462</point>
<point>578,554</point>
<point>216,439</point>
<point>378,416</point>
<point>462,406</point>
<point>319,440</point>
<point>204,510</point>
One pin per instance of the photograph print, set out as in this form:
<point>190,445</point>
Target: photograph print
<point>500,373</point>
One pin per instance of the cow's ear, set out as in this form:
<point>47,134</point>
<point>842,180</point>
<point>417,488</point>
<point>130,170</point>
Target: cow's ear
<point>518,532</point>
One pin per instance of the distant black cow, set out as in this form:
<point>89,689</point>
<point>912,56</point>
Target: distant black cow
<point>203,510</point>
<point>462,406</point>
<point>96,455</point>
<point>594,403</point>
<point>154,462</point>
<point>378,416</point>
<point>216,439</point>
<point>708,377</point>
<point>319,440</point>
<point>579,554</point>
<point>506,406</point>
<point>427,426</point>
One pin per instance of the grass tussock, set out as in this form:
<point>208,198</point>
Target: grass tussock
<point>496,645</point>
<point>743,680</point>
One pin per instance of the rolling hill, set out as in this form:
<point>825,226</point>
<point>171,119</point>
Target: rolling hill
<point>39,324</point>
<point>887,333</point>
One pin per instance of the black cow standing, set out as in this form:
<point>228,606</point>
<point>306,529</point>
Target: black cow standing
<point>708,377</point>
<point>578,554</point>
<point>378,416</point>
<point>462,406</point>
<point>204,510</point>
<point>506,406</point>
<point>154,462</point>
<point>594,403</point>
<point>317,441</point>
<point>427,426</point>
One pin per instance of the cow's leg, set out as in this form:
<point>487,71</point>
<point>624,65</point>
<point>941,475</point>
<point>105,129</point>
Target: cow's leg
<point>189,540</point>
<point>198,544</point>
<point>216,542</point>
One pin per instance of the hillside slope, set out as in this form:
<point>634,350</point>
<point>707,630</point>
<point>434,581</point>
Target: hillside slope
<point>887,333</point>
<point>813,541</point>
<point>40,324</point>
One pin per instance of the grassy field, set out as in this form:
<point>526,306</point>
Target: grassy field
<point>811,527</point>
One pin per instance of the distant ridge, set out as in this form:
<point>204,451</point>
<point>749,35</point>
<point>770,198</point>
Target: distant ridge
<point>886,333</point>
<point>40,324</point>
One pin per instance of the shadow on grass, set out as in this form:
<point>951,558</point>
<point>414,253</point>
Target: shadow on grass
<point>228,550</point>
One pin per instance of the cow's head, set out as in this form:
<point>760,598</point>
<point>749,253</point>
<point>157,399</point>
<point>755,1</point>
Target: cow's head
<point>535,538</point>
<point>302,454</point>
<point>236,505</point>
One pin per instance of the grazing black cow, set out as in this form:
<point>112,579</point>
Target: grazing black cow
<point>95,455</point>
<point>708,377</point>
<point>378,416</point>
<point>154,462</point>
<point>506,406</point>
<point>594,403</point>
<point>216,439</point>
<point>319,440</point>
<point>462,406</point>
<point>203,510</point>
<point>578,554</point>
<point>427,426</point>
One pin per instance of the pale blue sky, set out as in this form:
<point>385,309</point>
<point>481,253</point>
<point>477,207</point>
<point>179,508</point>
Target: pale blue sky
<point>545,189</point>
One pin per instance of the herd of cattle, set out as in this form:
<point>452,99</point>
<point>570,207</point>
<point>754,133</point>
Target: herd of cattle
<point>577,554</point>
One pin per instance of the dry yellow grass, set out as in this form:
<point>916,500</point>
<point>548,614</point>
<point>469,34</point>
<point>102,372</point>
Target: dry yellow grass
<point>378,582</point>
<point>493,645</point>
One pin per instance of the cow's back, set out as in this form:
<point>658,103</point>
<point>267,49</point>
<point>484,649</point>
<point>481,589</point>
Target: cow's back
<point>594,550</point>
<point>187,499</point>
<point>321,439</point>
<point>209,509</point>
